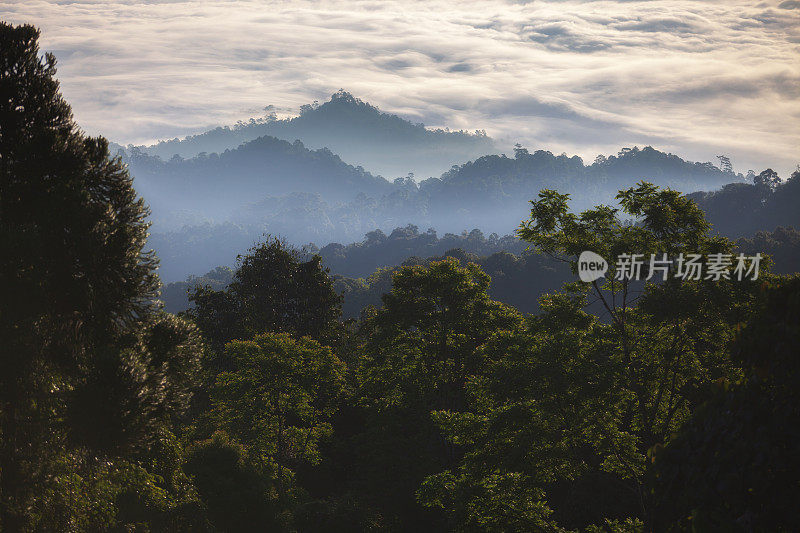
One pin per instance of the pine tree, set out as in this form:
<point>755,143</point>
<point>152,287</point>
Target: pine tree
<point>77,292</point>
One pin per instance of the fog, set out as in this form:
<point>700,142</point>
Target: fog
<point>207,207</point>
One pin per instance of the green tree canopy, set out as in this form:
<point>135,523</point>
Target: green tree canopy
<point>279,398</point>
<point>272,290</point>
<point>237,493</point>
<point>76,312</point>
<point>566,411</point>
<point>420,350</point>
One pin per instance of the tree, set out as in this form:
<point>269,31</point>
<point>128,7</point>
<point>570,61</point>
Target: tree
<point>725,164</point>
<point>272,290</point>
<point>77,309</point>
<point>239,496</point>
<point>540,433</point>
<point>767,179</point>
<point>734,465</point>
<point>279,398</point>
<point>136,387</point>
<point>565,413</point>
<point>419,351</point>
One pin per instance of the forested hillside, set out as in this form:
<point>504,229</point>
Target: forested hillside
<point>217,186</point>
<point>359,132</point>
<point>493,191</point>
<point>640,400</point>
<point>362,271</point>
<point>379,250</point>
<point>228,187</point>
<point>762,203</point>
<point>208,209</point>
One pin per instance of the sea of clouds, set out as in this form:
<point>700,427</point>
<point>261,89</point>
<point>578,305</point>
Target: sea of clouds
<point>696,77</point>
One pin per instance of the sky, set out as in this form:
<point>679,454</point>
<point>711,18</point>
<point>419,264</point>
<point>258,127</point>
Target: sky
<point>698,78</point>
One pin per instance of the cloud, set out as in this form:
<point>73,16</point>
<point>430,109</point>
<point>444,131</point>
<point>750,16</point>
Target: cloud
<point>558,36</point>
<point>460,67</point>
<point>698,77</point>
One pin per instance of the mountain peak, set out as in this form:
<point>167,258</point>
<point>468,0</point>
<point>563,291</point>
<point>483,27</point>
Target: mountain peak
<point>345,97</point>
<point>359,132</point>
<point>340,101</point>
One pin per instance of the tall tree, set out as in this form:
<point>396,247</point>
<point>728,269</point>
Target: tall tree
<point>273,290</point>
<point>279,398</point>
<point>419,352</point>
<point>559,427</point>
<point>77,290</point>
<point>767,179</point>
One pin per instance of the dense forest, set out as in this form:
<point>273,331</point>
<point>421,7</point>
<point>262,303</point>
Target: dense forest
<point>469,383</point>
<point>736,210</point>
<point>763,203</point>
<point>210,208</point>
<point>362,270</point>
<point>316,178</point>
<point>517,279</point>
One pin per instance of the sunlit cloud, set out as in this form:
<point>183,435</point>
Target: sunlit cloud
<point>699,78</point>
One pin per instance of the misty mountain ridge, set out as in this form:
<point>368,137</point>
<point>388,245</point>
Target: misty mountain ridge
<point>216,186</point>
<point>251,182</point>
<point>247,183</point>
<point>355,130</point>
<point>211,207</point>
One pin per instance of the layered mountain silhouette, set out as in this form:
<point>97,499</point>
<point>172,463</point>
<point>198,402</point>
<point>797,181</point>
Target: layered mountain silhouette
<point>216,186</point>
<point>360,133</point>
<point>212,195</point>
<point>493,191</point>
<point>208,208</point>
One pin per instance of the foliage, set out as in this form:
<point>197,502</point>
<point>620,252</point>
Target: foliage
<point>734,465</point>
<point>782,245</point>
<point>176,295</point>
<point>338,514</point>
<point>77,314</point>
<point>574,403</point>
<point>237,493</point>
<point>380,250</point>
<point>279,398</point>
<point>272,290</point>
<point>742,209</point>
<point>418,352</point>
<point>620,405</point>
<point>145,493</point>
<point>354,260</point>
<point>137,388</point>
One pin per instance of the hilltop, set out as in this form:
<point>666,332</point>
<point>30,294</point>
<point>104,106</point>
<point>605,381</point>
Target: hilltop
<point>359,132</point>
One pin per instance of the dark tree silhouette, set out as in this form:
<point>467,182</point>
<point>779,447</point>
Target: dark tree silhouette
<point>733,466</point>
<point>77,292</point>
<point>272,290</point>
<point>768,178</point>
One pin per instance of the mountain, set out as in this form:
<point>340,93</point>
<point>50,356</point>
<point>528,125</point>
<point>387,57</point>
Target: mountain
<point>492,192</point>
<point>287,190</point>
<point>359,132</point>
<point>214,186</point>
<point>743,209</point>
